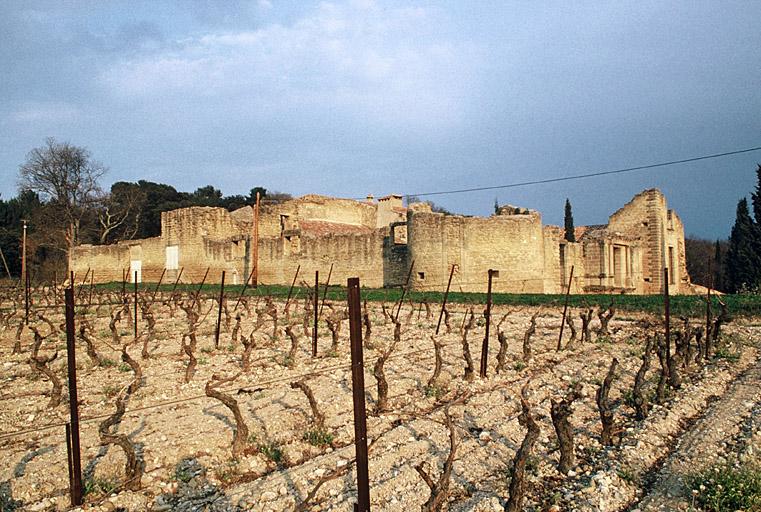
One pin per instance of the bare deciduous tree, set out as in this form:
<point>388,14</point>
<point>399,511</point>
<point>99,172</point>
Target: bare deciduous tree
<point>66,177</point>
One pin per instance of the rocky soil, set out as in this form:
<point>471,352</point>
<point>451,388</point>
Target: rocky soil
<point>183,437</point>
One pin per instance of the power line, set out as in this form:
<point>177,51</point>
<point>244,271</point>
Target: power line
<point>588,175</point>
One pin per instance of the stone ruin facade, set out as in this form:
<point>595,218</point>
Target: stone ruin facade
<point>378,241</point>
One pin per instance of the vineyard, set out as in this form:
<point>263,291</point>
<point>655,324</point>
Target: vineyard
<point>198,401</point>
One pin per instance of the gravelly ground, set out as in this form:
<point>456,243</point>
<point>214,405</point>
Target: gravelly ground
<point>171,421</point>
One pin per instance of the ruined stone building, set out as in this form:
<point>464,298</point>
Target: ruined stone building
<point>378,241</point>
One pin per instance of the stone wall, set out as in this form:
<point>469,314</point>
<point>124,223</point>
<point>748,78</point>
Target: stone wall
<point>511,244</point>
<point>661,232</point>
<point>352,255</point>
<point>109,263</point>
<point>314,232</point>
<point>204,237</point>
<point>559,256</point>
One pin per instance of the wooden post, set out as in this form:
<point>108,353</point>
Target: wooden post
<point>55,287</point>
<point>485,344</point>
<point>135,305</point>
<point>255,255</point>
<point>76,464</point>
<point>315,298</point>
<point>565,311</point>
<point>219,313</point>
<point>358,395</point>
<point>290,291</point>
<point>325,292</point>
<point>444,302</point>
<point>667,313</point>
<point>404,291</point>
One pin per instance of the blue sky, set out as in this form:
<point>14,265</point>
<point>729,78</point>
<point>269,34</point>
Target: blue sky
<point>358,97</point>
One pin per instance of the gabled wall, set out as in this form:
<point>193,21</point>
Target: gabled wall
<point>647,218</point>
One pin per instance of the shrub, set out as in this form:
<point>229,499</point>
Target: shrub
<point>318,437</point>
<point>726,487</point>
<point>272,451</point>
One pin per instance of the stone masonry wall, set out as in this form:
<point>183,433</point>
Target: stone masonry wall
<point>646,216</point>
<point>205,237</point>
<point>352,255</point>
<point>511,244</point>
<point>641,238</point>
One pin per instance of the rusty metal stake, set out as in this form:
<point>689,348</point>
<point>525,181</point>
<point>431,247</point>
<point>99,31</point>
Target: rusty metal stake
<point>444,302</point>
<point>404,291</point>
<point>293,283</point>
<point>69,462</point>
<point>176,281</point>
<point>135,305</point>
<point>565,310</point>
<point>485,345</point>
<point>26,296</point>
<point>243,292</point>
<point>358,394</point>
<point>92,285</point>
<point>76,464</point>
<point>315,297</point>
<point>219,313</point>
<point>707,342</point>
<point>325,292</point>
<point>195,298</point>
<point>125,273</point>
<point>156,290</point>
<point>667,313</point>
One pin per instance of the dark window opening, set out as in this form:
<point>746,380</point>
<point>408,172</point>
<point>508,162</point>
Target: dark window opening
<point>421,275</point>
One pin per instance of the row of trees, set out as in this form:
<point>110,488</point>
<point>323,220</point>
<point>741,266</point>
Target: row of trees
<point>743,259</point>
<point>61,198</point>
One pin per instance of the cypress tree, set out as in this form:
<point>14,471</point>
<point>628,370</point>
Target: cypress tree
<point>756,197</point>
<point>743,262</point>
<point>570,235</point>
<point>718,280</point>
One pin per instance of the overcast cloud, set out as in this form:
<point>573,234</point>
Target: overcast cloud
<point>358,97</point>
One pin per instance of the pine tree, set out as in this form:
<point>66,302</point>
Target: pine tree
<point>743,262</point>
<point>570,235</point>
